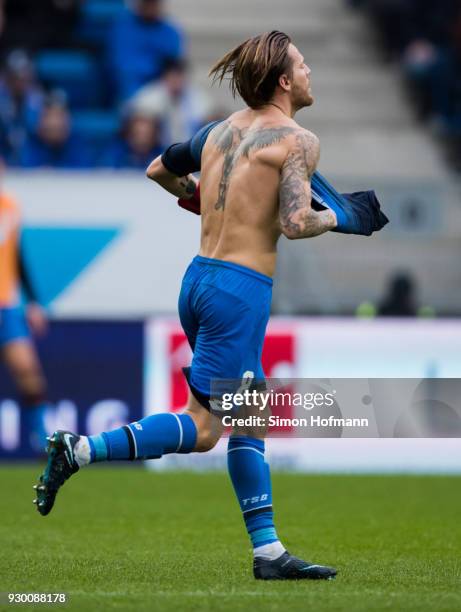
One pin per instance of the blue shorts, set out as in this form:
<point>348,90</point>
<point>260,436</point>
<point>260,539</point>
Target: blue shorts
<point>13,325</point>
<point>224,309</point>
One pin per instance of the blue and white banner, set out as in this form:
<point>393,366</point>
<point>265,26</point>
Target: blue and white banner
<point>95,379</point>
<point>104,245</point>
<point>115,245</point>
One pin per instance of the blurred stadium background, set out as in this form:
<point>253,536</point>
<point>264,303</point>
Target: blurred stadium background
<point>91,91</point>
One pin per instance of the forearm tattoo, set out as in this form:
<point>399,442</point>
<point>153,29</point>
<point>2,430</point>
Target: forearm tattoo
<point>188,185</point>
<point>297,219</point>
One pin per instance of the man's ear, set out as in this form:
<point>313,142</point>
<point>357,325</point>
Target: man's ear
<point>285,82</point>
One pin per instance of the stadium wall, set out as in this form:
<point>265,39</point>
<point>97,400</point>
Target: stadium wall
<point>114,245</point>
<point>325,349</point>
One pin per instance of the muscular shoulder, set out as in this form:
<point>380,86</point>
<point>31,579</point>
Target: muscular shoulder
<point>243,138</point>
<point>305,140</point>
<point>303,149</point>
<point>273,143</point>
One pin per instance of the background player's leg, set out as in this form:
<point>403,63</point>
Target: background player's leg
<point>21,360</point>
<point>153,436</point>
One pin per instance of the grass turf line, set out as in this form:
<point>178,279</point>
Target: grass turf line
<point>128,539</point>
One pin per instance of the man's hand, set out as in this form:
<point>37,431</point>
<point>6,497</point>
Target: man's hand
<point>37,319</point>
<point>180,186</point>
<point>192,204</point>
<point>357,213</point>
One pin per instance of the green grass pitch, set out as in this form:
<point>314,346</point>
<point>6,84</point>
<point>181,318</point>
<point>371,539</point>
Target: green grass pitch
<point>129,539</point>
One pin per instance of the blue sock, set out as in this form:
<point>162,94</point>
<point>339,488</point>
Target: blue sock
<point>250,476</point>
<point>149,438</point>
<point>34,419</point>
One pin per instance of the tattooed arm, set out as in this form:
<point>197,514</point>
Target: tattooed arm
<point>297,218</point>
<point>181,187</point>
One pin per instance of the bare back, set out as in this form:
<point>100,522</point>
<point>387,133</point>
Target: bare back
<point>242,171</point>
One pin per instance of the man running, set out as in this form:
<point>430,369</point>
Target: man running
<point>256,170</point>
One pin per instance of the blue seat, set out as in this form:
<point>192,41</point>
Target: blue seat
<point>96,18</point>
<point>98,129</point>
<point>96,125</point>
<point>101,11</point>
<point>76,72</point>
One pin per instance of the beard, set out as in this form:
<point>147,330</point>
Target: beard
<point>309,99</point>
<point>302,99</point>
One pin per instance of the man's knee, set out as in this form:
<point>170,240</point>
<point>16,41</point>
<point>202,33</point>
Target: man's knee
<point>22,362</point>
<point>30,382</point>
<point>258,428</point>
<point>206,440</point>
<point>209,427</point>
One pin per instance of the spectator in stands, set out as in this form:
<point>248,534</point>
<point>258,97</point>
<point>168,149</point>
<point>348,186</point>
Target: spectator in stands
<point>34,24</point>
<point>400,298</point>
<point>432,73</point>
<point>425,36</point>
<point>422,34</point>
<point>401,22</point>
<point>181,108</point>
<point>140,42</point>
<point>21,102</point>
<point>429,57</point>
<point>53,145</point>
<point>138,144</point>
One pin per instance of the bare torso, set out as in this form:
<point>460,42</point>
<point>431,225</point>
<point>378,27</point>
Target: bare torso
<point>256,170</point>
<point>239,187</point>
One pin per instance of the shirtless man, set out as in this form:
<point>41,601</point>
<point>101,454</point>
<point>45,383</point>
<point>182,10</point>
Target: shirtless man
<point>255,185</point>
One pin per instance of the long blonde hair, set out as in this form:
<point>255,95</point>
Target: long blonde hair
<point>255,67</point>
